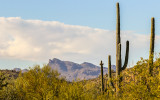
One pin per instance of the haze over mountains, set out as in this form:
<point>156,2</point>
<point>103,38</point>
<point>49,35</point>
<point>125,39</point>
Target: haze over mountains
<point>73,71</point>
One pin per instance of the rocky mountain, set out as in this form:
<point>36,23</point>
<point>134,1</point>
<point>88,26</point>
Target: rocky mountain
<point>73,71</point>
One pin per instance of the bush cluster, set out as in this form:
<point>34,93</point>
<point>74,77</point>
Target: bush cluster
<point>46,84</point>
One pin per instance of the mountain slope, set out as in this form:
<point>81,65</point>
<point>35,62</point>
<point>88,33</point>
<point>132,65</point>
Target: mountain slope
<point>73,71</point>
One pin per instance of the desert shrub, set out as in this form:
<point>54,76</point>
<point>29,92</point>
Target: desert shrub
<point>46,84</point>
<point>35,84</point>
<point>141,85</point>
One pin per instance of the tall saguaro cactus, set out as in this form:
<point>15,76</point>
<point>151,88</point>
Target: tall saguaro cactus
<point>119,67</point>
<point>109,73</point>
<point>151,51</point>
<point>102,83</point>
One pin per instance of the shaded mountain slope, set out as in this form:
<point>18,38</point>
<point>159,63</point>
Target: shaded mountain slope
<point>73,71</point>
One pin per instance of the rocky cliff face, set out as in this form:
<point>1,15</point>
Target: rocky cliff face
<point>73,71</point>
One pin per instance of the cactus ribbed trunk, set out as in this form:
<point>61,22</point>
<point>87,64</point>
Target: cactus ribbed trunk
<point>151,51</point>
<point>118,70</point>
<point>102,80</point>
<point>117,41</point>
<point>119,67</point>
<point>109,73</point>
<point>109,67</point>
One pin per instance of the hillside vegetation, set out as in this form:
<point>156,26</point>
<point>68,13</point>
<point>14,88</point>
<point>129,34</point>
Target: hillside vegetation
<point>46,84</point>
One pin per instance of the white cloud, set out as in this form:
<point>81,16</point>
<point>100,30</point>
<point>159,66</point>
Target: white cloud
<point>38,40</point>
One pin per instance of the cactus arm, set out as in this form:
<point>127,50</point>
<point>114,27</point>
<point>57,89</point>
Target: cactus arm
<point>127,56</point>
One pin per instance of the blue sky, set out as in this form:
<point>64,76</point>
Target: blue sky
<point>101,14</point>
<point>92,13</point>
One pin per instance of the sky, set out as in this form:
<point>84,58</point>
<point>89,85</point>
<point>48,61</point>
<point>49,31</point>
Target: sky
<point>34,31</point>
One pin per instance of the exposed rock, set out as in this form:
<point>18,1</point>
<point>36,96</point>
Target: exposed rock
<point>74,71</point>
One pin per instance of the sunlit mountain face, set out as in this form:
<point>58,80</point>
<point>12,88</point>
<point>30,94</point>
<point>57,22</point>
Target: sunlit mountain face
<point>73,71</point>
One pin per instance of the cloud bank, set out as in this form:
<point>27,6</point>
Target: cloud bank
<point>37,40</point>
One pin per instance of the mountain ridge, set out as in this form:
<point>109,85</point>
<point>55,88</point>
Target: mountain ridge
<point>73,71</point>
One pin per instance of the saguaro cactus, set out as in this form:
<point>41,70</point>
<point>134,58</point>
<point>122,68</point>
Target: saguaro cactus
<point>119,68</point>
<point>109,73</point>
<point>151,51</point>
<point>102,83</point>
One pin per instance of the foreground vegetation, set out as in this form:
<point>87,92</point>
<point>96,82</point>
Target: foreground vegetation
<point>139,82</point>
<point>46,84</point>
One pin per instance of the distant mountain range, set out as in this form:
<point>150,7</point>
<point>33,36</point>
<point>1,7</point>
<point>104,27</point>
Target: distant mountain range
<point>72,71</point>
<point>19,69</point>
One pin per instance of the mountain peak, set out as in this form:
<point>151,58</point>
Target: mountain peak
<point>54,60</point>
<point>57,64</point>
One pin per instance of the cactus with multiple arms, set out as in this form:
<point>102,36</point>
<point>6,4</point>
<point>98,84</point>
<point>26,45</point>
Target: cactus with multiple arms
<point>151,51</point>
<point>119,68</point>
